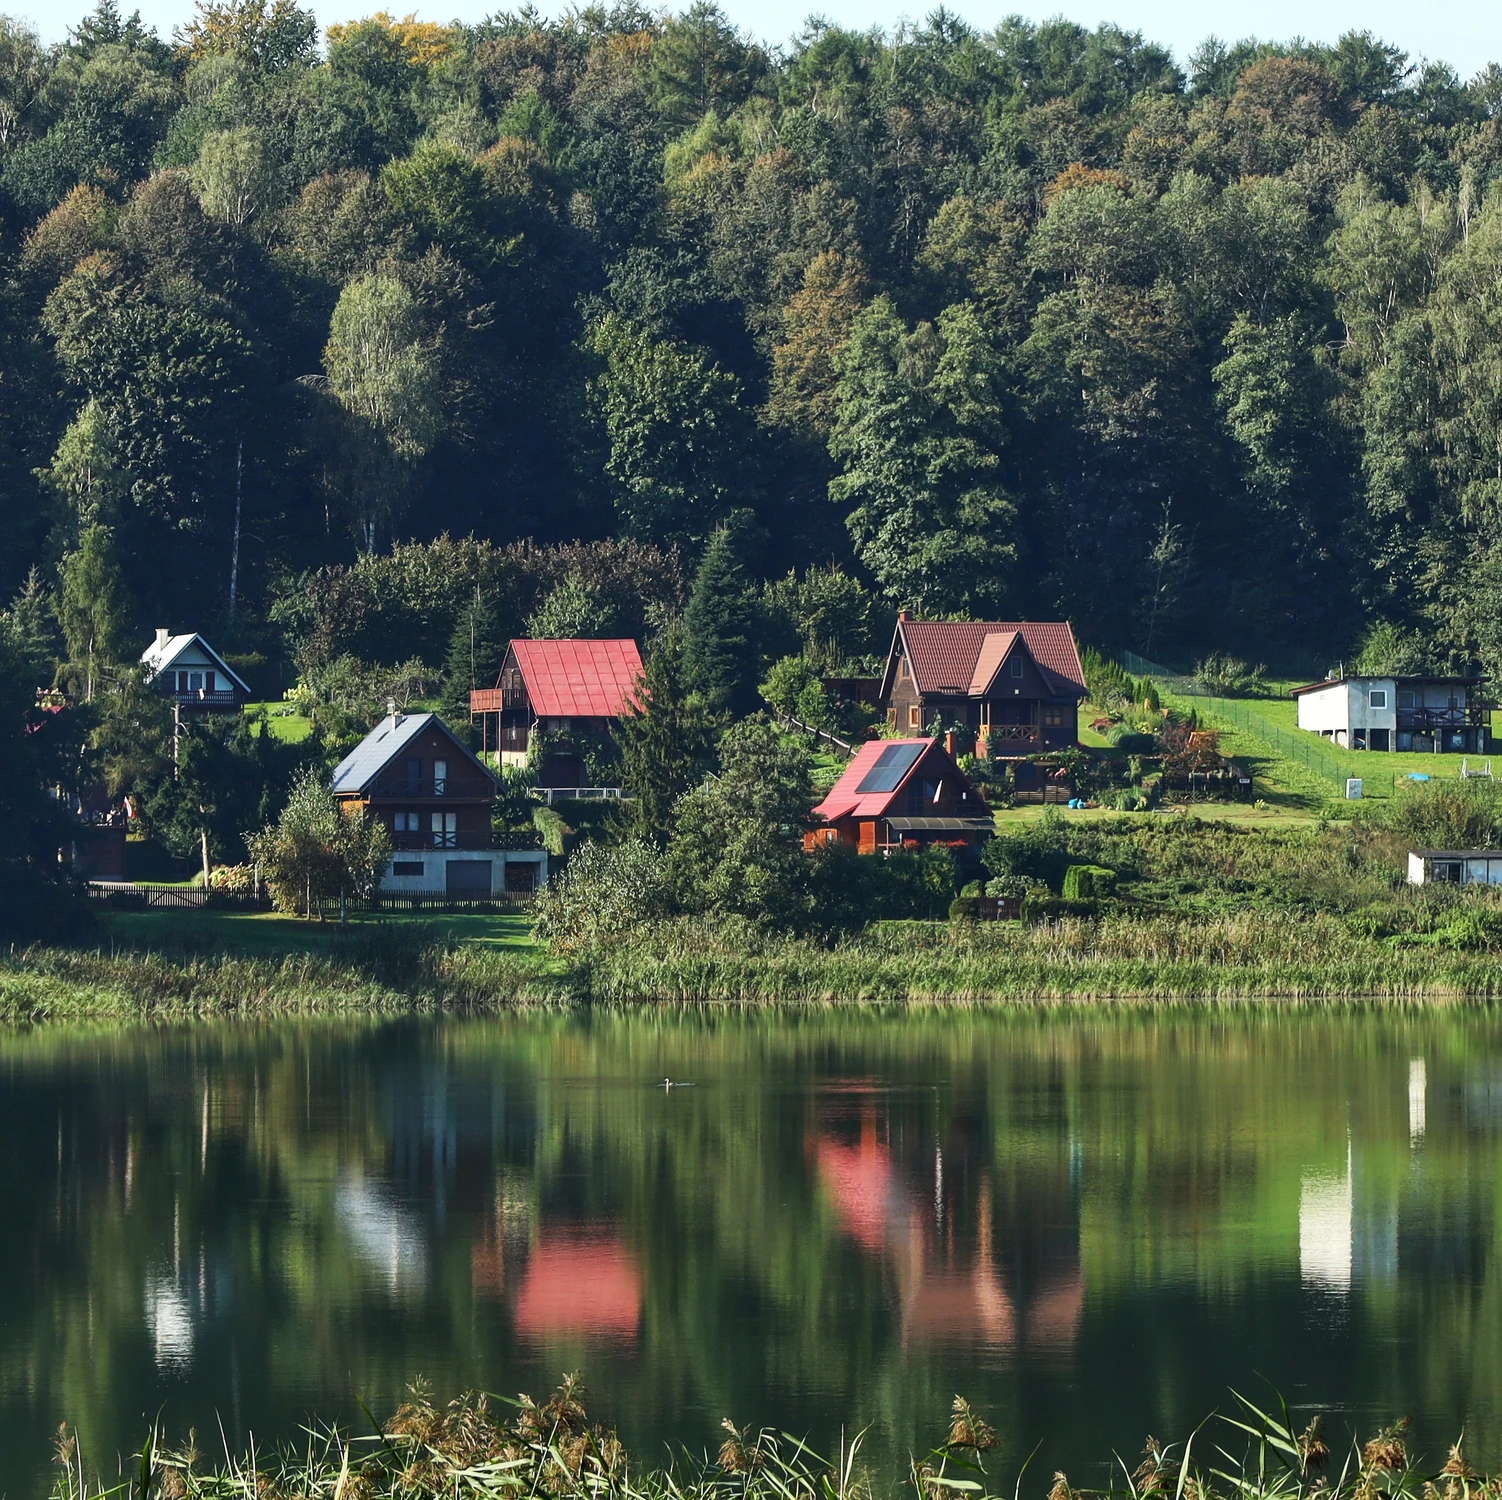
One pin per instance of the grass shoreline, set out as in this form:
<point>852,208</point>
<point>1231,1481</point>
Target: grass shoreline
<point>390,969</point>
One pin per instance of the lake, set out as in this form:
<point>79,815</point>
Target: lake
<point>1094,1225</point>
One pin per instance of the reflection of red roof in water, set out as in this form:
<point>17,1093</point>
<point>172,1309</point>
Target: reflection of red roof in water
<point>859,1178</point>
<point>955,1307</point>
<point>584,1283</point>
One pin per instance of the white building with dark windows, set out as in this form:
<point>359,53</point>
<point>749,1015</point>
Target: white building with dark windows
<point>1431,714</point>
<point>187,670</point>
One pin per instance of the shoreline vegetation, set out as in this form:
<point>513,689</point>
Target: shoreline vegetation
<point>1136,908</point>
<point>403,967</point>
<point>483,1446</point>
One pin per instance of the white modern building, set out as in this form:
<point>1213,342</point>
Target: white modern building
<point>1396,713</point>
<point>1455,866</point>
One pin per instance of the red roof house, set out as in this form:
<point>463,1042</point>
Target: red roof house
<point>1017,684</point>
<point>569,689</point>
<point>901,793</point>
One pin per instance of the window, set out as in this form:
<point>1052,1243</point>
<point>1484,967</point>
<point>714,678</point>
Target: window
<point>1016,666</point>
<point>915,717</point>
<point>195,682</point>
<point>406,867</point>
<point>1405,698</point>
<point>445,831</point>
<point>1053,716</point>
<point>407,822</point>
<point>440,777</point>
<point>414,776</point>
<point>1379,697</point>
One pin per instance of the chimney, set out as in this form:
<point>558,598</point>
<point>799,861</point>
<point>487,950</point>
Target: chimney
<point>949,741</point>
<point>391,709</point>
<point>903,616</point>
<point>163,635</point>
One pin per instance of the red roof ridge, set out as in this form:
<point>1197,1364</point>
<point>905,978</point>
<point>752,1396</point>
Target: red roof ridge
<point>579,677</point>
<point>945,653</point>
<point>843,797</point>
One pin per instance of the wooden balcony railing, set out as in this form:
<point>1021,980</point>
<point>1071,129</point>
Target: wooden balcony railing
<point>430,788</point>
<point>479,838</point>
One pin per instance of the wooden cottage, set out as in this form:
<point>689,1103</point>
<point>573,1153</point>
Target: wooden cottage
<point>435,799</point>
<point>186,669</point>
<point>557,688</point>
<point>901,794</point>
<point>1017,685</point>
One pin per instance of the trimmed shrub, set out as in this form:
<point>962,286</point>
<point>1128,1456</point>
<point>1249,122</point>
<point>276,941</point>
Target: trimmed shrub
<point>1088,882</point>
<point>964,909</point>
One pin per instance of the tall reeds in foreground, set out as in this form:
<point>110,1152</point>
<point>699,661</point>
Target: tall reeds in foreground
<point>522,1450</point>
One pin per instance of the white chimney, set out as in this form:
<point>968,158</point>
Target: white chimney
<point>391,709</point>
<point>163,635</point>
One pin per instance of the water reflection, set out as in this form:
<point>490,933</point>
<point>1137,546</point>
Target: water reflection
<point>1091,1225</point>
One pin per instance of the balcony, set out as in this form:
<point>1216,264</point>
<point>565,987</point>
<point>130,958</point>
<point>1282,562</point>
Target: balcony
<point>496,700</point>
<point>1439,720</point>
<point>1012,734</point>
<point>430,789</point>
<point>479,838</point>
<point>226,699</point>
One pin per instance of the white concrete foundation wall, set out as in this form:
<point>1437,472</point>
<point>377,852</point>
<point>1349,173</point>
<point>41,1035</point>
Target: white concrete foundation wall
<point>433,879</point>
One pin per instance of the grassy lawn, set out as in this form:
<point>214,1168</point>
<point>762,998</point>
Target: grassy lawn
<point>272,935</point>
<point>290,728</point>
<point>1378,768</point>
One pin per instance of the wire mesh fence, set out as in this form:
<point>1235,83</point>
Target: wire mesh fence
<point>1303,749</point>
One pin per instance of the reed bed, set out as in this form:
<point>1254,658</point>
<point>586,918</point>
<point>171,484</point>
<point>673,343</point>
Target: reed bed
<point>1245,955</point>
<point>406,968</point>
<point>479,1447</point>
<point>56,984</point>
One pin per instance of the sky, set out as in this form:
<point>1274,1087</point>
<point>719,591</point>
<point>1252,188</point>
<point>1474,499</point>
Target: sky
<point>1465,33</point>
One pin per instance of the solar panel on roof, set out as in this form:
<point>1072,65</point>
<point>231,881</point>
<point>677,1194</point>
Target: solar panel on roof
<point>891,766</point>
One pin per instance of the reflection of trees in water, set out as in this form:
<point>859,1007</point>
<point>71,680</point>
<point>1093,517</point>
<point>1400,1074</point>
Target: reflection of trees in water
<point>849,1217</point>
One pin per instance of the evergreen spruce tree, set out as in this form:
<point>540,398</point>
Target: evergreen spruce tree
<point>666,745</point>
<point>477,648</point>
<point>720,650</point>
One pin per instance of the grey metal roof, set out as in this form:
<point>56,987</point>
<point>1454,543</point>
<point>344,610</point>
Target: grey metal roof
<point>383,744</point>
<point>1457,853</point>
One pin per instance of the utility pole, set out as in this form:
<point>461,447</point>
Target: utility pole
<point>234,555</point>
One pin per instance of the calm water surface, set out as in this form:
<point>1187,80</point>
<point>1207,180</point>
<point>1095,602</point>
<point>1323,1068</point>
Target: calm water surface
<point>1093,1226</point>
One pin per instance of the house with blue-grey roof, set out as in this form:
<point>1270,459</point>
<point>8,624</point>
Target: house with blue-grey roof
<point>413,774</point>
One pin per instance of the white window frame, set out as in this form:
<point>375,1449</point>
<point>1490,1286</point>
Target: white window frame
<point>1377,698</point>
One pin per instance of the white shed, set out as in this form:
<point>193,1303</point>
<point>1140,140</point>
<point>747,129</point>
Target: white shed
<point>1455,866</point>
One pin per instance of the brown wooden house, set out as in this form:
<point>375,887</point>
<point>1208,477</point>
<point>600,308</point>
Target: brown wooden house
<point>1017,684</point>
<point>560,689</point>
<point>435,799</point>
<point>899,794</point>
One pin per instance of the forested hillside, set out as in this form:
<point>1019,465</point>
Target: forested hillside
<point>1030,323</point>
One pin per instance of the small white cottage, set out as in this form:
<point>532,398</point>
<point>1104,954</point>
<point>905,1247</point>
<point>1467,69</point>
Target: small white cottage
<point>186,669</point>
<point>1455,866</point>
<point>1396,713</point>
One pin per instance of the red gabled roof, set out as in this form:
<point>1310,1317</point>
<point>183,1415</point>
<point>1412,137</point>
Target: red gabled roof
<point>944,653</point>
<point>578,679</point>
<point>843,800</point>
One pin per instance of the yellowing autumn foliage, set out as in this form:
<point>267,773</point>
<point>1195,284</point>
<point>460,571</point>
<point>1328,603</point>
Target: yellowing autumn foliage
<point>424,42</point>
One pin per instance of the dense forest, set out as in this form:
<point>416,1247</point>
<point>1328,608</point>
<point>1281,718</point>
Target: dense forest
<point>1027,323</point>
